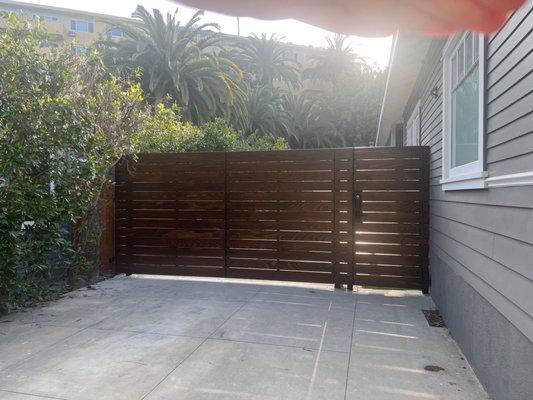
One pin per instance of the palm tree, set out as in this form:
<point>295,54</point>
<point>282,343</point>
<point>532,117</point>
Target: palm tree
<point>337,60</point>
<point>179,61</point>
<point>262,58</point>
<point>265,114</point>
<point>311,124</point>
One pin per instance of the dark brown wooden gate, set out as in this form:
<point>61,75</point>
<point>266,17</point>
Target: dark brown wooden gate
<point>335,215</point>
<point>392,218</point>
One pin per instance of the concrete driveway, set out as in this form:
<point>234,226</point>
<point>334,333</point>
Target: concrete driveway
<point>146,337</point>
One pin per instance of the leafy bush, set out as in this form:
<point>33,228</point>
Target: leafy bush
<point>164,131</point>
<point>64,122</point>
<point>259,142</point>
<point>211,136</point>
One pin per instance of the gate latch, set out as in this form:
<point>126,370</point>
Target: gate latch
<point>358,205</point>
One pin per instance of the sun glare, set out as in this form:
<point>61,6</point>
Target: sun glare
<point>373,50</point>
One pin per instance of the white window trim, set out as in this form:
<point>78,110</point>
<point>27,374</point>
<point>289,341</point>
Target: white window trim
<point>519,179</point>
<point>472,175</point>
<point>414,115</point>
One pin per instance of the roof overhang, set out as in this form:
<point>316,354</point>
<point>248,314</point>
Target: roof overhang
<point>406,60</point>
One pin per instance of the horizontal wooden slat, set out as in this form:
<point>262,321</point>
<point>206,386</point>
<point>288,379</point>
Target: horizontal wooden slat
<point>388,238</point>
<point>390,227</point>
<point>391,217</point>
<point>302,196</point>
<point>281,225</point>
<point>388,185</point>
<point>280,255</point>
<point>166,187</point>
<point>387,259</point>
<point>400,206</point>
<point>387,248</point>
<point>176,243</point>
<point>278,186</point>
<point>390,270</point>
<point>283,166</point>
<point>281,155</point>
<point>171,270</point>
<point>279,206</point>
<point>172,214</point>
<point>282,176</point>
<point>172,250</point>
<point>391,196</point>
<point>123,195</point>
<point>300,236</point>
<point>281,245</point>
<point>281,215</point>
<point>320,267</point>
<point>387,175</point>
<point>175,260</point>
<point>401,164</point>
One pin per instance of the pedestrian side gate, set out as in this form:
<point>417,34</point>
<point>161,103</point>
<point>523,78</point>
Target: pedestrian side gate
<point>343,216</point>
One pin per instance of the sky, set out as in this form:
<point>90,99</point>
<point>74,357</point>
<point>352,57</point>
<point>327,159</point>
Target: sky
<point>374,50</point>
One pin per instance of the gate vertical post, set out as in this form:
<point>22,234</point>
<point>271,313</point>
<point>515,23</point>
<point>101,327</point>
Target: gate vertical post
<point>353,216</point>
<point>343,257</point>
<point>115,215</point>
<point>129,210</point>
<point>226,225</point>
<point>176,190</point>
<point>335,238</point>
<point>424,217</point>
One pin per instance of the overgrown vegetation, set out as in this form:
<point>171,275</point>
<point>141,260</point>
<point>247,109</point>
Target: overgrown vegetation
<point>180,62</point>
<point>62,126</point>
<point>66,119</point>
<point>64,123</point>
<point>164,131</point>
<point>249,82</point>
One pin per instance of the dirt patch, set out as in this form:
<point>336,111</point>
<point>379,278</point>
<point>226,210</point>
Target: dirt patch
<point>434,318</point>
<point>433,368</point>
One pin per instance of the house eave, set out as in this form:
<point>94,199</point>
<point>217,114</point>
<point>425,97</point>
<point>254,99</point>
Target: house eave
<point>407,58</point>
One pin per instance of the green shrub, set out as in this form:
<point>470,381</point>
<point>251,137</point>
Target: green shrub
<point>260,142</point>
<point>164,132</point>
<point>64,122</point>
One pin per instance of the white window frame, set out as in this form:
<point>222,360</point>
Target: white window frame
<point>412,128</point>
<point>46,17</point>
<point>471,175</point>
<point>75,28</point>
<point>113,32</point>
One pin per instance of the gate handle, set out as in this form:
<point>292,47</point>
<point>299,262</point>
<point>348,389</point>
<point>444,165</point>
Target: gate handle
<point>358,204</point>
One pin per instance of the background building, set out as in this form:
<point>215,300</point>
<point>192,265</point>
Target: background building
<point>65,25</point>
<point>85,28</point>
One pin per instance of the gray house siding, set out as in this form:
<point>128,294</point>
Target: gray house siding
<point>481,241</point>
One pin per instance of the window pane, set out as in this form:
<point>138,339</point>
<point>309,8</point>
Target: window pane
<point>476,47</point>
<point>468,51</point>
<point>116,32</point>
<point>454,70</point>
<point>465,113</point>
<point>81,26</point>
<point>461,61</point>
